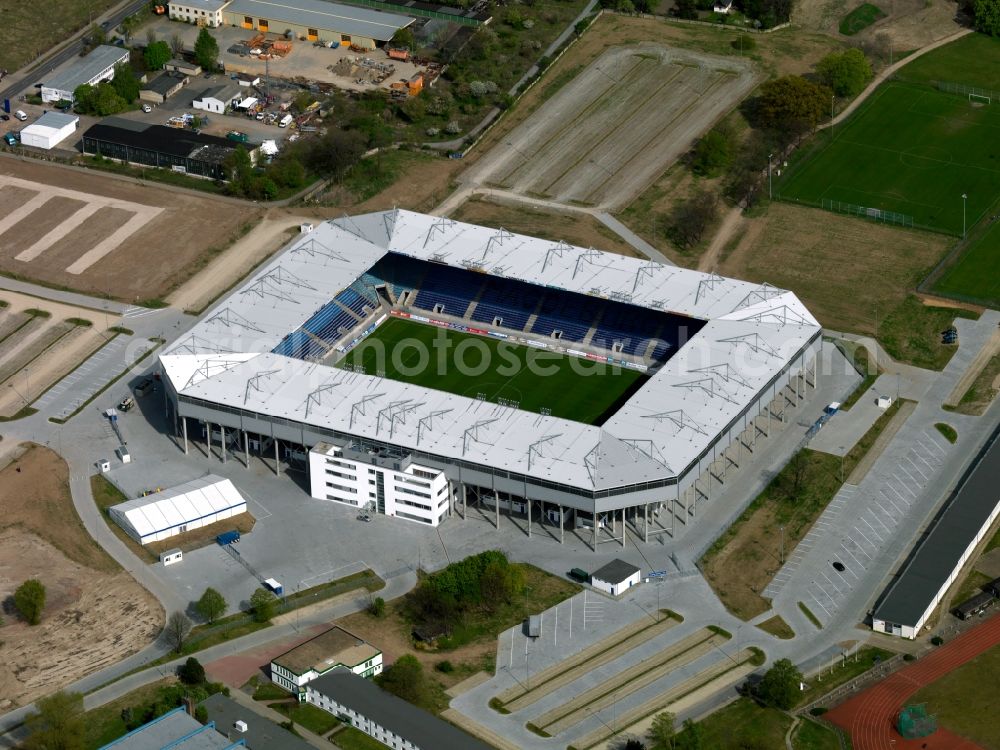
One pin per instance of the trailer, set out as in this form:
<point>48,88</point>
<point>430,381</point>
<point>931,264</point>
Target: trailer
<point>273,586</point>
<point>533,626</point>
<point>228,537</point>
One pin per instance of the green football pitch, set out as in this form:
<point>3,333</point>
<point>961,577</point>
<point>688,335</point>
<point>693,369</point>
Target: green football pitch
<point>975,276</point>
<point>495,370</point>
<point>912,150</point>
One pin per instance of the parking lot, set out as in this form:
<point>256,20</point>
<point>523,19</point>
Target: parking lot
<point>865,527</point>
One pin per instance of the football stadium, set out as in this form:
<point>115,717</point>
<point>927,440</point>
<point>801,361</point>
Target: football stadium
<point>415,365</point>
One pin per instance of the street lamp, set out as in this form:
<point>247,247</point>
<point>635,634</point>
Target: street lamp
<point>782,557</point>
<point>964,199</point>
<point>769,176</point>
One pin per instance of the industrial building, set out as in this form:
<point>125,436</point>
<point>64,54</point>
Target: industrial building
<point>259,365</point>
<point>200,12</point>
<point>161,146</point>
<point>939,555</point>
<point>248,728</point>
<point>97,66</point>
<point>160,88</point>
<point>390,720</point>
<point>175,730</point>
<point>187,506</point>
<point>49,130</point>
<point>216,98</point>
<point>316,20</point>
<point>334,648</point>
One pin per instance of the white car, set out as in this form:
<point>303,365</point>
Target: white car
<point>146,108</point>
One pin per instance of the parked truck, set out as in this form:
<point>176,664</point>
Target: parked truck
<point>237,136</point>
<point>285,121</point>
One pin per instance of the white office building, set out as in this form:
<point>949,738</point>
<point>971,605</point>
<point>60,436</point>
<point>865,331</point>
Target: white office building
<point>201,12</point>
<point>382,484</point>
<point>96,67</point>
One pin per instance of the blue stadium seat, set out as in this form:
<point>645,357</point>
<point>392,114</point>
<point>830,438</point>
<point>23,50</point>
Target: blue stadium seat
<point>513,301</point>
<point>453,288</point>
<point>299,345</point>
<point>328,321</point>
<point>573,314</point>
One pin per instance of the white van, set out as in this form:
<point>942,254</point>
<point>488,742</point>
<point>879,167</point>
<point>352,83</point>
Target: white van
<point>285,121</point>
<point>20,115</point>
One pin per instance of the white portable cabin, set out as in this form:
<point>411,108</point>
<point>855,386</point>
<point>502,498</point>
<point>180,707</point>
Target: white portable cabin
<point>176,510</point>
<point>171,556</point>
<point>615,578</point>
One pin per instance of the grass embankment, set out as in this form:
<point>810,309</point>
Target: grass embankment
<point>964,695</point>
<point>843,672</point>
<point>860,18</point>
<point>316,720</point>
<point>810,616</point>
<point>911,333</point>
<point>745,724</point>
<point>350,738</point>
<point>977,399</point>
<point>106,495</point>
<point>950,433</point>
<point>862,361</point>
<point>742,561</point>
<point>777,627</point>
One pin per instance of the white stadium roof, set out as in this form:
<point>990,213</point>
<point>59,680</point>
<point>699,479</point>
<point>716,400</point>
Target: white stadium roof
<point>752,333</point>
<point>185,503</point>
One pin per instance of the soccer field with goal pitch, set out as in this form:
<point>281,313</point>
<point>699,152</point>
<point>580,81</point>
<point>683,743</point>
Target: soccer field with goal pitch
<point>911,150</point>
<point>480,366</point>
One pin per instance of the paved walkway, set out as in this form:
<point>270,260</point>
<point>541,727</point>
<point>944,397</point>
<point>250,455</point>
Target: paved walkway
<point>888,73</point>
<point>68,298</point>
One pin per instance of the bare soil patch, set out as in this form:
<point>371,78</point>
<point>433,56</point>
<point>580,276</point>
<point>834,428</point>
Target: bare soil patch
<point>609,131</point>
<point>421,187</point>
<point>12,197</point>
<point>841,267</point>
<point>89,596</point>
<point>149,263</point>
<point>910,24</point>
<point>575,228</point>
<point>37,224</point>
<point>98,227</point>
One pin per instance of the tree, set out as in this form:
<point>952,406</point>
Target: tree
<point>712,154</point>
<point>688,220</point>
<point>191,672</point>
<point>263,604</point>
<point>662,731</point>
<point>30,600</point>
<point>177,629</point>
<point>404,38</point>
<point>780,685</point>
<point>686,9</point>
<point>201,714</point>
<point>335,152</point>
<point>57,723</point>
<point>691,737</point>
<point>106,100</point>
<point>156,55</point>
<point>83,96</point>
<point>405,679</point>
<point>791,105</point>
<point>847,72</point>
<point>125,84</point>
<point>798,475</point>
<point>176,44</point>
<point>212,605</point>
<point>986,16</point>
<point>206,50</point>
<point>96,36</point>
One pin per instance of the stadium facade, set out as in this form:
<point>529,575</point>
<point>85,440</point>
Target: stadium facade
<point>723,358</point>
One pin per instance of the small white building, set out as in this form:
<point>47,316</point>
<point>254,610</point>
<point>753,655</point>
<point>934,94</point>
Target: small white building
<point>176,510</point>
<point>723,7</point>
<point>96,67</point>
<point>215,99</point>
<point>202,12</point>
<point>391,486</point>
<point>615,578</point>
<point>49,130</point>
<point>329,650</point>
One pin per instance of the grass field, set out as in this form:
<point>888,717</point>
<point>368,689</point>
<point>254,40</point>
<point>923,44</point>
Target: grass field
<point>744,724</point>
<point>860,18</point>
<point>910,149</point>
<point>973,276</point>
<point>960,698</point>
<point>470,365</point>
<point>973,60</point>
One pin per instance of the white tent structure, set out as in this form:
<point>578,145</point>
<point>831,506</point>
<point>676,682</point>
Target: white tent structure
<point>182,508</point>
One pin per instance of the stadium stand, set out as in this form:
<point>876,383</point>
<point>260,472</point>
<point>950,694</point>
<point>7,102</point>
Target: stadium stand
<point>326,323</point>
<point>452,288</point>
<point>300,345</point>
<point>511,300</point>
<point>628,325</point>
<point>353,301</point>
<point>573,314</point>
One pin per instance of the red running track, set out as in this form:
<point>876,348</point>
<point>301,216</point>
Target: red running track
<point>870,717</point>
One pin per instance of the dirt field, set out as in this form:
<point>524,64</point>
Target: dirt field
<point>910,23</point>
<point>610,131</point>
<point>36,351</point>
<point>577,229</point>
<point>103,235</point>
<point>840,267</point>
<point>88,596</point>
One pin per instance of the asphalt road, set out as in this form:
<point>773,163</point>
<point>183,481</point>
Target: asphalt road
<point>39,69</point>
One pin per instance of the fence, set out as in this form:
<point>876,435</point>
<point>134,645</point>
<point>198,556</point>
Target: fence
<point>876,214</point>
<point>950,87</point>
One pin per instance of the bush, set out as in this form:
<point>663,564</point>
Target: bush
<point>30,600</point>
<point>712,154</point>
<point>191,672</point>
<point>908,657</point>
<point>445,666</point>
<point>937,640</point>
<point>201,714</point>
<point>818,710</point>
<point>263,604</point>
<point>846,73</point>
<point>405,679</point>
<point>744,43</point>
<point>376,607</point>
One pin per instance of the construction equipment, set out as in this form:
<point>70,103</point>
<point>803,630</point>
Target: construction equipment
<point>126,403</point>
